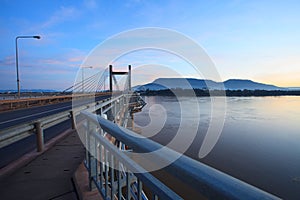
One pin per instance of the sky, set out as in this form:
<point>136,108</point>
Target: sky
<point>257,40</point>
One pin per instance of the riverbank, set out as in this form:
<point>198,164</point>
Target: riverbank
<point>231,93</point>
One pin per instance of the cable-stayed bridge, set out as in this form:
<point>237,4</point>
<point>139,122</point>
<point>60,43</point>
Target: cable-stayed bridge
<point>100,118</point>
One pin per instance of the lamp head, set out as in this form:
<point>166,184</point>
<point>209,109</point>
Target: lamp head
<point>37,37</point>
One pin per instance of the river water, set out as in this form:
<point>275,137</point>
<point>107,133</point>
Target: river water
<point>259,142</point>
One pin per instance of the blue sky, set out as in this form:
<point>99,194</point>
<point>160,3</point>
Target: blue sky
<point>256,40</point>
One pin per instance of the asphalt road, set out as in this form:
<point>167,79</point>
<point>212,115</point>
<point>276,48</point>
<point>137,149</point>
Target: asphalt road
<point>12,118</point>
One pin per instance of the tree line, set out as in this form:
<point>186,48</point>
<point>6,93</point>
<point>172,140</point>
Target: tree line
<point>205,93</point>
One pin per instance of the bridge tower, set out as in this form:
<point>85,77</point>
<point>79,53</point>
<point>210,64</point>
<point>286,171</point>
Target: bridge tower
<point>112,77</point>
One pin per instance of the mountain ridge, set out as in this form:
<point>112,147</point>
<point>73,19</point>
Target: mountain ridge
<point>193,83</point>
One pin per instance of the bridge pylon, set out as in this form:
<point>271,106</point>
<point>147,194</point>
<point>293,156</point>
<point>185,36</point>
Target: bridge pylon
<point>112,78</point>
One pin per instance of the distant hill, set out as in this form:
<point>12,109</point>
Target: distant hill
<point>231,84</point>
<point>293,88</point>
<point>149,86</point>
<point>238,84</point>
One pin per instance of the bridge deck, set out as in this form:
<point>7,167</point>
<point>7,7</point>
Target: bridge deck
<point>49,176</point>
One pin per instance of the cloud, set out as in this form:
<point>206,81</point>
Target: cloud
<point>7,61</point>
<point>132,3</point>
<point>91,4</point>
<point>72,59</point>
<point>75,59</point>
<point>67,61</point>
<point>50,61</point>
<point>61,15</point>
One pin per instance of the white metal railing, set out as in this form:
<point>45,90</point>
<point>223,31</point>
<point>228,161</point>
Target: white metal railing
<point>115,174</point>
<point>105,162</point>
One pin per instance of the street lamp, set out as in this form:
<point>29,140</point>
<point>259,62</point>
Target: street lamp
<point>82,76</point>
<point>17,61</point>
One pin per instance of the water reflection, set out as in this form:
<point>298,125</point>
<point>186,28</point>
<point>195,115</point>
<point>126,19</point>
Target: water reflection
<point>259,142</point>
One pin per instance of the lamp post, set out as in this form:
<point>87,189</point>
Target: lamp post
<point>82,76</point>
<point>17,61</point>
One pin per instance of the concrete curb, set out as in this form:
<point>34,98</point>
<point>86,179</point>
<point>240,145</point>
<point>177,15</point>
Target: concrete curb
<point>81,183</point>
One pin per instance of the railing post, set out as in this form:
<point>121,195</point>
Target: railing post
<point>91,159</point>
<point>73,120</point>
<point>93,162</point>
<point>88,140</point>
<point>39,137</point>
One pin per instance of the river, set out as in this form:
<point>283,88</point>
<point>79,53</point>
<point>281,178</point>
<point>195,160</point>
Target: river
<point>259,143</point>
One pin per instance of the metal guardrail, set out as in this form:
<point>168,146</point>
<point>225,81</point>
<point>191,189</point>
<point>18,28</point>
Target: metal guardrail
<point>18,132</point>
<point>210,182</point>
<point>11,104</point>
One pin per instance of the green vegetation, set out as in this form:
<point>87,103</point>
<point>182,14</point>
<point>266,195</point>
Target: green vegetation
<point>204,93</point>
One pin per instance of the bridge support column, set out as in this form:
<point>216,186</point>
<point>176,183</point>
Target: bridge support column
<point>110,78</point>
<point>39,137</point>
<point>129,78</point>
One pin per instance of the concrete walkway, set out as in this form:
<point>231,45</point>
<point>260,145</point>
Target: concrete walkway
<point>48,176</point>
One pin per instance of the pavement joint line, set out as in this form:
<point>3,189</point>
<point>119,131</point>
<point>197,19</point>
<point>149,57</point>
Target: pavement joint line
<point>31,156</point>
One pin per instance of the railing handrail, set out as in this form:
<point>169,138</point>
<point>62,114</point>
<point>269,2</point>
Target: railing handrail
<point>210,182</point>
<point>152,183</point>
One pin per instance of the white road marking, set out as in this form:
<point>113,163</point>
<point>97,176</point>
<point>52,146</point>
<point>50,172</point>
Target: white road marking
<point>11,120</point>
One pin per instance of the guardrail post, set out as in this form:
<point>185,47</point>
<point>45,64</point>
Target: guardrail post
<point>118,105</point>
<point>73,120</point>
<point>39,136</point>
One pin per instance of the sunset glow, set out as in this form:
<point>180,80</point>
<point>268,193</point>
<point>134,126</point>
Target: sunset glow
<point>257,40</point>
